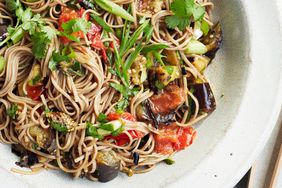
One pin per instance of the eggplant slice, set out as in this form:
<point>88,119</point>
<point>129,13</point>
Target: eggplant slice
<point>204,94</point>
<point>27,158</point>
<point>213,41</point>
<point>107,166</point>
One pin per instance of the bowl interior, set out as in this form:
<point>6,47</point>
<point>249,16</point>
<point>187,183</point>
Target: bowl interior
<point>227,74</point>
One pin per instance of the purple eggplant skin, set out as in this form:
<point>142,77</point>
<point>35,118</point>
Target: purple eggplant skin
<point>107,166</point>
<point>27,158</point>
<point>205,96</point>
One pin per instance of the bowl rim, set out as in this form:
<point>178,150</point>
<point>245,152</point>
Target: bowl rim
<point>215,161</point>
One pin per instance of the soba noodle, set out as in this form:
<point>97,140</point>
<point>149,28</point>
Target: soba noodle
<point>83,98</point>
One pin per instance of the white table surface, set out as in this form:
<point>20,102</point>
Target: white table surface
<point>264,165</point>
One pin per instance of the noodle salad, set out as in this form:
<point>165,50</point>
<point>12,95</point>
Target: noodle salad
<point>98,87</point>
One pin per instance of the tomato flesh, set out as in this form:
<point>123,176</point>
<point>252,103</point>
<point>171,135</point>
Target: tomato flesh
<point>93,35</point>
<point>34,92</point>
<point>173,138</point>
<point>67,15</point>
<point>171,98</point>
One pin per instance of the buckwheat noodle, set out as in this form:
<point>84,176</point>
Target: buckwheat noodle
<point>83,98</point>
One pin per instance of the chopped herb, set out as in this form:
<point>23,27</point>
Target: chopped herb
<point>92,131</point>
<point>102,118</point>
<point>12,111</point>
<point>169,69</point>
<point>76,69</point>
<point>159,84</point>
<point>30,23</point>
<point>169,161</point>
<point>34,146</point>
<point>75,25</point>
<point>122,105</point>
<point>58,126</point>
<point>183,11</point>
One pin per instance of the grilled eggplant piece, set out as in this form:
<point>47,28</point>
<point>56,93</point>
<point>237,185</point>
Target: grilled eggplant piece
<point>213,41</point>
<point>159,77</point>
<point>27,158</point>
<point>204,94</point>
<point>161,108</point>
<point>107,166</point>
<point>45,138</point>
<point>149,6</point>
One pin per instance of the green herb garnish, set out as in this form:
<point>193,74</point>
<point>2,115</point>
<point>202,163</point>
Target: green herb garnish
<point>75,25</point>
<point>58,126</point>
<point>12,111</point>
<point>169,161</point>
<point>102,118</point>
<point>41,34</point>
<point>184,11</point>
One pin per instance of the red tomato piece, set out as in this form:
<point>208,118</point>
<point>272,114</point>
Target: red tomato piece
<point>94,35</point>
<point>34,92</point>
<point>173,96</point>
<point>124,115</point>
<point>173,138</point>
<point>124,139</point>
<point>67,15</point>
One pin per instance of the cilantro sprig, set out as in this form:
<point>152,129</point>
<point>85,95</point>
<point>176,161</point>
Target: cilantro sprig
<point>184,11</point>
<point>75,25</point>
<point>41,34</point>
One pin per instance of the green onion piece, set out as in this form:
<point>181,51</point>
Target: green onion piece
<point>17,35</point>
<point>195,47</point>
<point>2,63</point>
<point>102,23</point>
<point>103,132</point>
<point>169,161</point>
<point>153,47</point>
<point>115,9</point>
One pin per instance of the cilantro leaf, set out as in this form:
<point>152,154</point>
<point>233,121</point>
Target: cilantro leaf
<point>12,5</point>
<point>102,118</point>
<point>26,15</point>
<point>75,25</point>
<point>56,59</point>
<point>184,11</point>
<point>40,34</point>
<point>40,41</point>
<point>198,13</point>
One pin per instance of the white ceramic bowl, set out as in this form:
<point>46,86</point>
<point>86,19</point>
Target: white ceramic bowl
<point>247,72</point>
